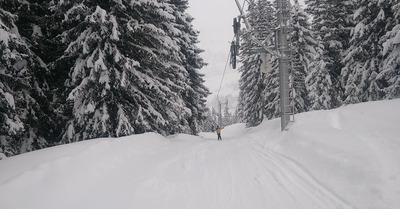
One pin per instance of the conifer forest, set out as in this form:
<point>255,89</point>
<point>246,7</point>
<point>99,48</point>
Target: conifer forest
<point>82,69</point>
<point>76,70</point>
<point>343,52</point>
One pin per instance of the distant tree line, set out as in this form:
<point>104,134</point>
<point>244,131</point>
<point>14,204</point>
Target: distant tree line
<point>344,52</point>
<point>216,118</point>
<point>83,69</point>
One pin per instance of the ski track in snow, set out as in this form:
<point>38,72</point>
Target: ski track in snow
<point>276,182</point>
<point>208,174</point>
<point>298,182</point>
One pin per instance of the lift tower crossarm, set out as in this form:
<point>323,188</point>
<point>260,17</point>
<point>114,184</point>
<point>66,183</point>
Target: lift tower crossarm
<point>248,27</point>
<point>246,22</point>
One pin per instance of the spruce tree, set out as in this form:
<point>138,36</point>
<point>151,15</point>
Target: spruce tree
<point>126,71</point>
<point>25,113</point>
<point>256,100</point>
<point>318,81</point>
<point>240,105</point>
<point>249,82</point>
<point>227,118</point>
<point>97,69</point>
<point>366,77</point>
<point>271,90</point>
<point>209,122</point>
<point>332,27</point>
<point>251,85</point>
<point>389,74</point>
<point>303,52</point>
<point>195,92</point>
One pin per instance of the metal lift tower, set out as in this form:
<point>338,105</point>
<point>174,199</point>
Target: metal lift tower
<point>283,52</point>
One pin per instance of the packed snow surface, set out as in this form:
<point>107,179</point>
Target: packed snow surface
<point>347,158</point>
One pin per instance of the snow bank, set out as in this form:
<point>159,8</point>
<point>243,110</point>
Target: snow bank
<point>353,151</point>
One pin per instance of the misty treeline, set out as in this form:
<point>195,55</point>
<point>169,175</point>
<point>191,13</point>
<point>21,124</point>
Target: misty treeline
<point>343,52</point>
<point>74,70</point>
<point>222,117</point>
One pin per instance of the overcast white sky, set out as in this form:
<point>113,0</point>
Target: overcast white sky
<point>213,18</point>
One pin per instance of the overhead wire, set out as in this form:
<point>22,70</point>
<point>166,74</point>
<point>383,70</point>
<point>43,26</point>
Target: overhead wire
<point>229,54</point>
<point>227,60</point>
<point>223,75</point>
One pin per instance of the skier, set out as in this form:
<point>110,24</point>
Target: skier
<point>218,131</point>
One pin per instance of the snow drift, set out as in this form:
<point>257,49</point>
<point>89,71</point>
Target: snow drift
<point>343,158</point>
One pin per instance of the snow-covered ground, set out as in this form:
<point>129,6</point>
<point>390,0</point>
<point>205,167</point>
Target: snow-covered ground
<point>344,158</point>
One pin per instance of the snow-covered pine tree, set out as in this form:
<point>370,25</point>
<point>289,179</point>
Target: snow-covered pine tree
<point>363,62</point>
<point>235,117</point>
<point>318,81</point>
<point>195,92</point>
<point>24,111</point>
<point>209,122</point>
<point>389,75</point>
<point>240,106</point>
<point>332,27</point>
<point>40,25</point>
<point>250,82</point>
<point>125,73</point>
<point>303,51</point>
<point>227,116</point>
<point>253,97</point>
<point>251,87</point>
<point>271,92</point>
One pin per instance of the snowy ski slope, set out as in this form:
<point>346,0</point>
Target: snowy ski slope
<point>347,158</point>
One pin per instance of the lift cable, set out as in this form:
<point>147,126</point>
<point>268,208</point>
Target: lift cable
<point>223,75</point>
